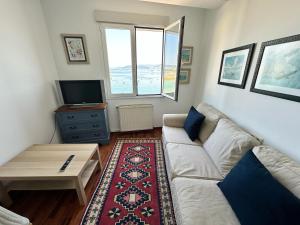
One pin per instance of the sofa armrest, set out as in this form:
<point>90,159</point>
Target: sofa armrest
<point>9,217</point>
<point>174,120</point>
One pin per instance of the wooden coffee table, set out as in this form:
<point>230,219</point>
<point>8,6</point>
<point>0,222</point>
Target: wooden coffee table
<point>37,168</point>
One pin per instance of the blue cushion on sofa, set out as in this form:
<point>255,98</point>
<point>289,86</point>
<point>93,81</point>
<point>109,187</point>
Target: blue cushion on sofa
<point>193,122</point>
<point>256,197</point>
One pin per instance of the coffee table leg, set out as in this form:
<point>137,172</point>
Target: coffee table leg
<point>5,199</point>
<point>80,191</point>
<point>99,158</point>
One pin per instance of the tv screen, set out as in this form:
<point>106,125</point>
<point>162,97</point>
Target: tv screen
<point>81,91</point>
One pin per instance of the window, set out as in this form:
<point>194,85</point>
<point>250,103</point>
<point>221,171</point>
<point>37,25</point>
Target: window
<point>141,60</point>
<point>149,43</point>
<point>119,56</point>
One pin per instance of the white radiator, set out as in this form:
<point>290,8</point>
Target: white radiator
<point>135,117</point>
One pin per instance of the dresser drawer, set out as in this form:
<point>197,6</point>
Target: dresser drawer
<point>71,117</point>
<point>78,137</point>
<point>96,125</point>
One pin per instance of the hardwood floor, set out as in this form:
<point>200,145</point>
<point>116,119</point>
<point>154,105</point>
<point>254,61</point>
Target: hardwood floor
<point>62,207</point>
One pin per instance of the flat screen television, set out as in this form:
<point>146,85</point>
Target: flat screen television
<point>82,92</point>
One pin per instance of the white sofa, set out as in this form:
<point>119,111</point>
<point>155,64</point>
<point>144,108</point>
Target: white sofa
<point>195,167</point>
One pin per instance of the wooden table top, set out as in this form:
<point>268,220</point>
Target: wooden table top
<point>43,162</point>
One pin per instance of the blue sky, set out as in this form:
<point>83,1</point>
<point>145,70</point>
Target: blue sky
<point>149,47</point>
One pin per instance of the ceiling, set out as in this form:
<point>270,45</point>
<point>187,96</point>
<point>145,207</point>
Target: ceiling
<point>208,4</point>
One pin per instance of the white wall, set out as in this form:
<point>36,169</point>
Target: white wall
<point>27,71</point>
<point>241,22</point>
<point>76,16</point>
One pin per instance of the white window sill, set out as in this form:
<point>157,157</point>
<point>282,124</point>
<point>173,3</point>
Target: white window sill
<point>134,97</point>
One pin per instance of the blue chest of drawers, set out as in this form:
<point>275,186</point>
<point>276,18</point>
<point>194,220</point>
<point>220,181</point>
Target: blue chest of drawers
<point>83,124</point>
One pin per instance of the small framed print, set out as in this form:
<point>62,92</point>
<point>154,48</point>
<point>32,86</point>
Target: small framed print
<point>235,66</point>
<point>75,48</point>
<point>187,55</point>
<point>184,77</point>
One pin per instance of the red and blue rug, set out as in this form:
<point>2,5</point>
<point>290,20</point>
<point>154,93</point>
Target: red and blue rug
<point>134,188</point>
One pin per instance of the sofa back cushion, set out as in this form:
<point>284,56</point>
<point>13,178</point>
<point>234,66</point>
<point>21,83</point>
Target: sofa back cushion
<point>227,144</point>
<point>284,169</point>
<point>212,116</point>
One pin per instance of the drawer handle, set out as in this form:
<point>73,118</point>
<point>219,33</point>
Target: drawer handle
<point>70,117</point>
<point>95,125</point>
<point>75,137</point>
<point>73,128</point>
<point>94,115</point>
<point>96,135</point>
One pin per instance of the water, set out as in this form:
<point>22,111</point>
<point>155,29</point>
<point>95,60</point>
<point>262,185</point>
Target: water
<point>148,78</point>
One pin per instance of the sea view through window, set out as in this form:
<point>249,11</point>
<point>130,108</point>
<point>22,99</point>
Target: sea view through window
<point>135,62</point>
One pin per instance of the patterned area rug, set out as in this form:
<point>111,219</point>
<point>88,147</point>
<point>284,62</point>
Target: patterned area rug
<point>134,188</point>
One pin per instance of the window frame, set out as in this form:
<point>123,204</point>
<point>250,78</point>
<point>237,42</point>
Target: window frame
<point>104,26</point>
<point>181,23</point>
<point>132,28</point>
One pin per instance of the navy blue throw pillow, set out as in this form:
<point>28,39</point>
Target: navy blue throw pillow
<point>193,122</point>
<point>256,197</point>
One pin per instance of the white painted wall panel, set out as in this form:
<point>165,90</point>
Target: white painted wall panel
<point>27,71</point>
<point>77,16</point>
<point>240,22</point>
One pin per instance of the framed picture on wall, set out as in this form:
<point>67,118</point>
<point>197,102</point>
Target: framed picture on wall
<point>277,71</point>
<point>235,66</point>
<point>187,55</point>
<point>184,77</point>
<point>75,48</point>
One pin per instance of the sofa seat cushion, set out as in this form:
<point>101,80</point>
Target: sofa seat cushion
<point>212,116</point>
<point>282,168</point>
<point>177,135</point>
<point>202,202</point>
<point>190,161</point>
<point>227,144</point>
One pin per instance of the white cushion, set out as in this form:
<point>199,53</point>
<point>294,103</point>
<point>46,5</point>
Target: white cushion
<point>177,135</point>
<point>190,161</point>
<point>284,169</point>
<point>227,144</point>
<point>201,202</point>
<point>212,116</point>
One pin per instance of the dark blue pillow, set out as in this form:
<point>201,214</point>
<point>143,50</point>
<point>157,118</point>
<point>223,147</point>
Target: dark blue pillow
<point>193,122</point>
<point>256,197</point>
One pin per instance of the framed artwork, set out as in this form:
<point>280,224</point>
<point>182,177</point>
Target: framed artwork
<point>235,66</point>
<point>184,77</point>
<point>187,55</point>
<point>75,48</point>
<point>277,71</point>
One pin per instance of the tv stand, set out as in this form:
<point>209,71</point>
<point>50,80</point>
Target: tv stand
<point>88,124</point>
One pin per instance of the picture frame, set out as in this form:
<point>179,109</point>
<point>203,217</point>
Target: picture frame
<point>235,66</point>
<point>187,55</point>
<point>75,48</point>
<point>184,77</point>
<point>277,72</point>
